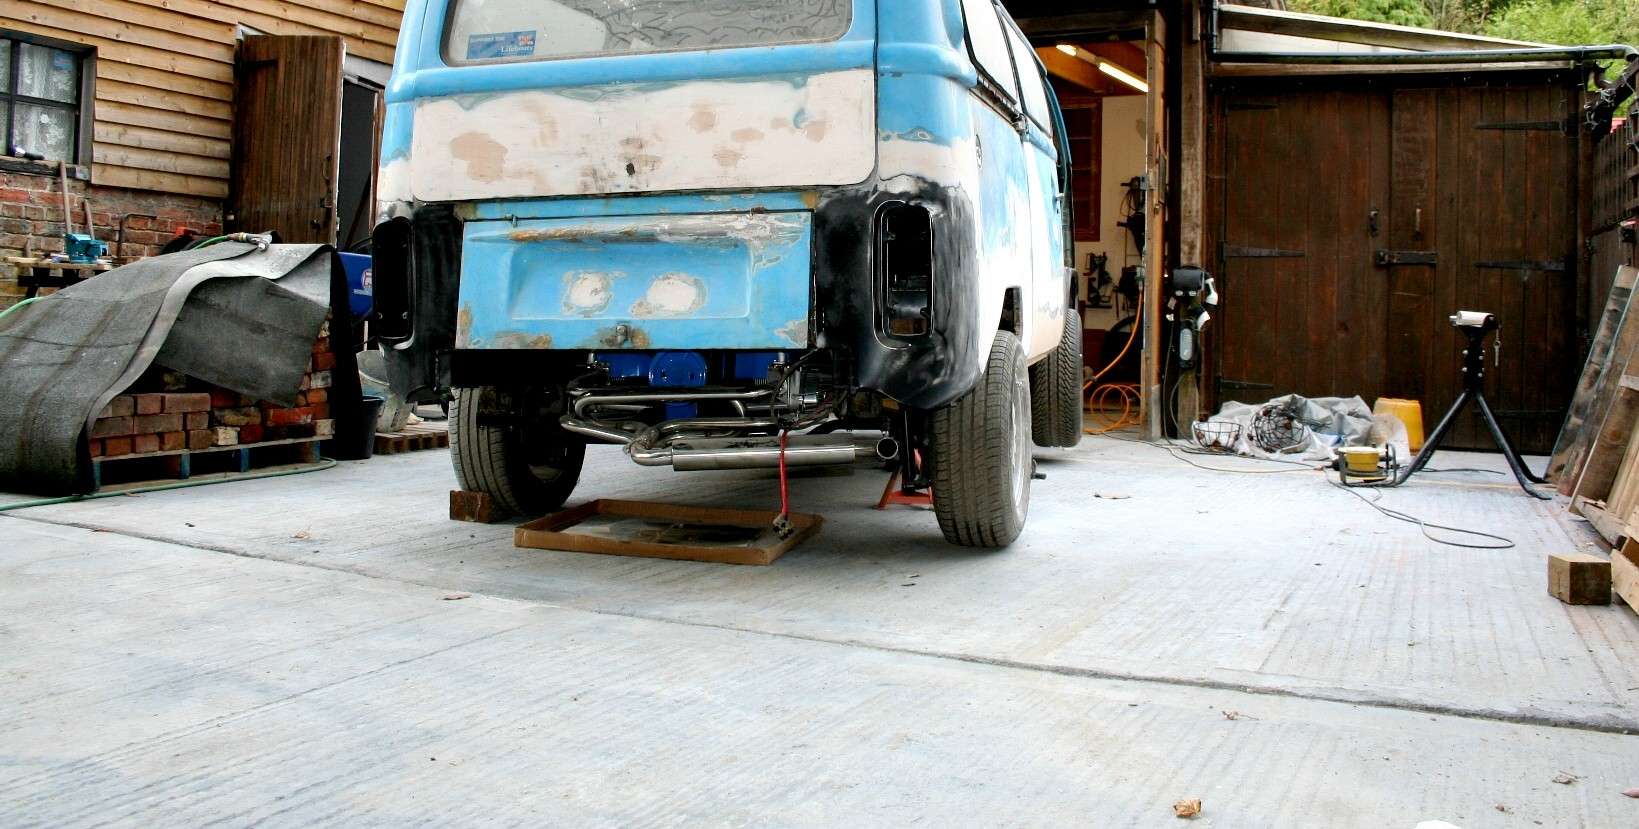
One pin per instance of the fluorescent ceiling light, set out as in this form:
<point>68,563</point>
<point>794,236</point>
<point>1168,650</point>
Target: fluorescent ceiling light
<point>1105,66</point>
<point>1123,76</point>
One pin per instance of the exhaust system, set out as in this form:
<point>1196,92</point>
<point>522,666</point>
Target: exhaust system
<point>689,445</point>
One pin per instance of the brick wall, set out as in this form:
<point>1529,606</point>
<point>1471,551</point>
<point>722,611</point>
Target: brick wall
<point>31,218</point>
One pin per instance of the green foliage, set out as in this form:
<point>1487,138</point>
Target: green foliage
<point>1568,22</point>
<point>1562,22</point>
<point>1400,12</point>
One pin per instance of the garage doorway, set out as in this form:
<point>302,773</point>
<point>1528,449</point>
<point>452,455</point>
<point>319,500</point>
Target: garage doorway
<point>1350,221</point>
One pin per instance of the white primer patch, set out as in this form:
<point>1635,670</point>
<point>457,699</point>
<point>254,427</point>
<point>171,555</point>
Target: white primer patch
<point>671,295</point>
<point>589,291</point>
<point>694,135</point>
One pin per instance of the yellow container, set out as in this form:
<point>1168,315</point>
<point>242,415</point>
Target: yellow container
<point>1361,460</point>
<point>1409,412</point>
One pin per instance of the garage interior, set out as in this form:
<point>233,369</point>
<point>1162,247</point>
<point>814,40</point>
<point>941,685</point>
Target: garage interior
<point>1183,635</point>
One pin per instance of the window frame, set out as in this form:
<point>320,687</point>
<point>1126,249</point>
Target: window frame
<point>1002,93</point>
<point>447,56</point>
<point>1029,62</point>
<point>82,108</point>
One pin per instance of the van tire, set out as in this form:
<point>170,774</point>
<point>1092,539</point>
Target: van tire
<point>504,444</point>
<point>1055,389</point>
<point>980,447</point>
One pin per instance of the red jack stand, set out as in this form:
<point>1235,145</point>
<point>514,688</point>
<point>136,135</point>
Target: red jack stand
<point>892,495</point>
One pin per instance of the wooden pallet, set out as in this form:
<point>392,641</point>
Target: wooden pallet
<point>181,464</point>
<point>416,436</point>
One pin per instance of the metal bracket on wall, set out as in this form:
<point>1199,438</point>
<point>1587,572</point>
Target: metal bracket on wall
<point>1228,251</point>
<point>1391,258</point>
<point>1563,126</point>
<point>1524,265</point>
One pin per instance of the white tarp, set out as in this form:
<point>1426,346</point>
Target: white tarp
<point>1322,425</point>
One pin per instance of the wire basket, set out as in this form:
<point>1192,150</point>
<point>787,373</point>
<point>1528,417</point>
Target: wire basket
<point>1276,429</point>
<point>1216,434</point>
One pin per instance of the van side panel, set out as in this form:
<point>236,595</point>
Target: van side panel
<point>740,134</point>
<point>1051,292</point>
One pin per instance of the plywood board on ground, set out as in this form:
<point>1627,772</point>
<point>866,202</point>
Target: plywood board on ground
<point>671,531</point>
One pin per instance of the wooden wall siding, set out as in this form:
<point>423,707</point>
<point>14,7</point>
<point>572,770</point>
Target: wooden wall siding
<point>164,94</point>
<point>1616,174</point>
<point>1301,172</point>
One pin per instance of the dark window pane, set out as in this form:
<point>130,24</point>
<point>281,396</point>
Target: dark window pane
<point>44,72</point>
<point>494,31</point>
<point>48,131</point>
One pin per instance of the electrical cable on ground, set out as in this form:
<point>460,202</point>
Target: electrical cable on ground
<point>1128,391</point>
<point>1302,466</point>
<point>1506,543</point>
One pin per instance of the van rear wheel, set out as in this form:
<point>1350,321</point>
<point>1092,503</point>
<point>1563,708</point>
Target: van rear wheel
<point>1055,389</point>
<point>507,444</point>
<point>981,460</point>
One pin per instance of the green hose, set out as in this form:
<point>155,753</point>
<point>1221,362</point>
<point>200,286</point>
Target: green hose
<point>28,301</point>
<point>324,463</point>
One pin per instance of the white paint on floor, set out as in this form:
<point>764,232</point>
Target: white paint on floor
<point>279,652</point>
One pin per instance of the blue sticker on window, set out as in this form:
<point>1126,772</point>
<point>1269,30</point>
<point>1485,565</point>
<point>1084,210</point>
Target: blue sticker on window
<point>501,45</point>
<point>62,61</point>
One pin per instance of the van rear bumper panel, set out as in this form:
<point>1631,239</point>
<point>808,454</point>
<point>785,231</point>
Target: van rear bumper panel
<point>683,281</point>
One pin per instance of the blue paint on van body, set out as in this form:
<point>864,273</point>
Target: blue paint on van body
<point>809,280</point>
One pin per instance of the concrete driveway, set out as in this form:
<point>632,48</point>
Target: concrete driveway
<point>287,652</point>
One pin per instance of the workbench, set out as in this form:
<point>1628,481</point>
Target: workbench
<point>34,272</point>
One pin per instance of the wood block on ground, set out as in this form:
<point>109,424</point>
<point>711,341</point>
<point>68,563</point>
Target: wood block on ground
<point>1625,572</point>
<point>1579,578</point>
<point>475,507</point>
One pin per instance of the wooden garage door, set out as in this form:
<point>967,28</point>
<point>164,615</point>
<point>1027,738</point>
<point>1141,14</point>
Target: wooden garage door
<point>287,131</point>
<point>1353,222</point>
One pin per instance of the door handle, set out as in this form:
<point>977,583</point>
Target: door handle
<point>1417,222</point>
<point>1371,221</point>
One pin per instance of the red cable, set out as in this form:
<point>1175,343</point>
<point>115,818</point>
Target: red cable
<point>785,498</point>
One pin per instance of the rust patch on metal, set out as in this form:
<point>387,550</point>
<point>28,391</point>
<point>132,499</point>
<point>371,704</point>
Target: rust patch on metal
<point>518,340</point>
<point>703,119</point>
<point>463,327</point>
<point>485,157</point>
<point>728,156</point>
<point>795,331</point>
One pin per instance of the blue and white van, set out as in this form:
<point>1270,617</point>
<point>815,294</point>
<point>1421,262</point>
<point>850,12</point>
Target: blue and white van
<point>723,232</point>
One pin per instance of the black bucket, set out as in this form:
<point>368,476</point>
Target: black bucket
<point>355,438</point>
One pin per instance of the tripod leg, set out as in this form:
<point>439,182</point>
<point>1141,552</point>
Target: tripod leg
<point>1515,462</point>
<point>1433,443</point>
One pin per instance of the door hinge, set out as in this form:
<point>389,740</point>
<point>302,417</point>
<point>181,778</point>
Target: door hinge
<point>1228,251</point>
<point>1524,265</point>
<point>1561,126</point>
<point>1391,258</point>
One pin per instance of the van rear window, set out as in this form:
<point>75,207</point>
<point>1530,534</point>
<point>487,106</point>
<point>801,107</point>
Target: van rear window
<point>499,31</point>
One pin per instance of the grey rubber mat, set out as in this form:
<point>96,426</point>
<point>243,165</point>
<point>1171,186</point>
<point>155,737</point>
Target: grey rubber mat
<point>232,314</point>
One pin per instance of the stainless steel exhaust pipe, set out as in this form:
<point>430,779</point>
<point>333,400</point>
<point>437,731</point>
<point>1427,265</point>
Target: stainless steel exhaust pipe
<point>730,453</point>
<point>887,449</point>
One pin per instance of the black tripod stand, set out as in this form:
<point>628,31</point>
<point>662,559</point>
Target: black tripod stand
<point>1476,325</point>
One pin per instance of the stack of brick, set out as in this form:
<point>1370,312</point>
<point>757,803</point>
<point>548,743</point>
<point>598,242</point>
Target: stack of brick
<point>198,416</point>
